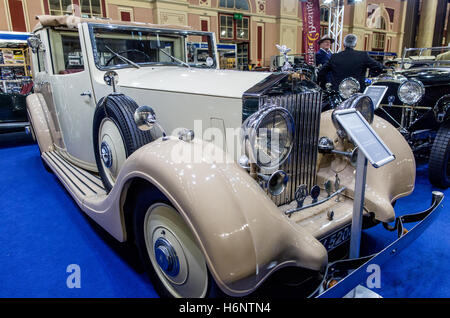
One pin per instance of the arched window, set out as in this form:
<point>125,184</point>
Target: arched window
<point>377,18</point>
<point>380,23</point>
<point>235,4</point>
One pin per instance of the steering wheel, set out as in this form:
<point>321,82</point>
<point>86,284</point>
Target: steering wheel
<point>127,52</point>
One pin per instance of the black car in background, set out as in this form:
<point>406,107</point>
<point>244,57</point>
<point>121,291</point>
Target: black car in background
<point>417,101</point>
<point>13,112</point>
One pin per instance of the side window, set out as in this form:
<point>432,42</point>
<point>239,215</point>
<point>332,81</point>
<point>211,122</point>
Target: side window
<point>41,60</point>
<point>66,52</point>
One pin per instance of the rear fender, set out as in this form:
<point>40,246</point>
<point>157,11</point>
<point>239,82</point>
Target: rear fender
<point>39,119</point>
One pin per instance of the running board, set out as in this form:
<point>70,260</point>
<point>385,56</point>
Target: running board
<point>81,183</point>
<point>89,193</point>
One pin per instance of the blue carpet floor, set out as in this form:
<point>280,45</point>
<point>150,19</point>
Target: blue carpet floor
<point>42,232</point>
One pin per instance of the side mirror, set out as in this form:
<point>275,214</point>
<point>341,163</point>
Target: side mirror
<point>111,78</point>
<point>34,43</point>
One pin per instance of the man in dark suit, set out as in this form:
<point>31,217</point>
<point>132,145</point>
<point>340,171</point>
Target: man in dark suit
<point>324,53</point>
<point>349,63</point>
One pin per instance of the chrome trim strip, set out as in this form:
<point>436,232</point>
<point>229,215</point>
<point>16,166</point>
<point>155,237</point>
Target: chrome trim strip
<point>11,125</point>
<point>69,168</point>
<point>98,182</point>
<point>55,165</point>
<point>291,211</point>
<point>361,274</point>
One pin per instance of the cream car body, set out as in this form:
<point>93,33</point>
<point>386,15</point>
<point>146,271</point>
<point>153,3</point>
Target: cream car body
<point>242,232</point>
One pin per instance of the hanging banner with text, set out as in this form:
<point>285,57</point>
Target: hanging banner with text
<point>311,29</point>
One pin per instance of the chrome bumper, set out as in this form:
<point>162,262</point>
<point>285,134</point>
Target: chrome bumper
<point>350,273</point>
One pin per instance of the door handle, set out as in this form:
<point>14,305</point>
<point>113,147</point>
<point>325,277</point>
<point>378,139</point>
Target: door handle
<point>86,94</point>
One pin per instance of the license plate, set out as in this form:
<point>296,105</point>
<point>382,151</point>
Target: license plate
<point>337,238</point>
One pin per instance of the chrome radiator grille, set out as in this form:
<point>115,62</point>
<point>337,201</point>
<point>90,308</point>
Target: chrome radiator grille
<point>305,108</point>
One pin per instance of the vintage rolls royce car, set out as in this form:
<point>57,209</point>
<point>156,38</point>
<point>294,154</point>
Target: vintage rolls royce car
<point>218,176</point>
<point>417,102</point>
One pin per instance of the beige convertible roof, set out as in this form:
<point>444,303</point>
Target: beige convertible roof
<point>71,21</point>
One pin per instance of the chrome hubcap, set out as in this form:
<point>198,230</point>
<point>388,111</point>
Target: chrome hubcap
<point>166,257</point>
<point>106,155</point>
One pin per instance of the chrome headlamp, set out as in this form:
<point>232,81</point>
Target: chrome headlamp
<point>268,136</point>
<point>348,87</point>
<point>361,103</point>
<point>411,91</point>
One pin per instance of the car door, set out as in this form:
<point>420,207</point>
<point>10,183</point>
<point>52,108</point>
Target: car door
<point>73,95</point>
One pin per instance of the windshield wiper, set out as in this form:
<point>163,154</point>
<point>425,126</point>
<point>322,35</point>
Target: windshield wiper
<point>124,59</point>
<point>175,59</point>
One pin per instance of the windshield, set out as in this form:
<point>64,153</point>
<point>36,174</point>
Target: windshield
<point>432,57</point>
<point>119,47</point>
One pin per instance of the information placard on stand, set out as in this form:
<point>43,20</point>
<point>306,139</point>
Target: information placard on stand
<point>364,137</point>
<point>376,93</point>
<point>370,148</point>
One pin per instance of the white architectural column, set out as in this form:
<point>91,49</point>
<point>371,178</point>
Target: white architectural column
<point>426,24</point>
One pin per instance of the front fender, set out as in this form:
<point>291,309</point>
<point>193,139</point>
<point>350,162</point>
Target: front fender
<point>243,235</point>
<point>384,185</point>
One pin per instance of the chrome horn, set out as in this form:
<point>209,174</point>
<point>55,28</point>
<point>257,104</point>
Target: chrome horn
<point>145,118</point>
<point>275,183</point>
<point>326,146</point>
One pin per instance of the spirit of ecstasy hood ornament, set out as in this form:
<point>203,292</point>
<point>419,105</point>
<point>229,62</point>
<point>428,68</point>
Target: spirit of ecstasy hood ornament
<point>287,67</point>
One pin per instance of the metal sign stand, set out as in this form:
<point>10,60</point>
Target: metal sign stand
<point>358,207</point>
<point>370,148</point>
